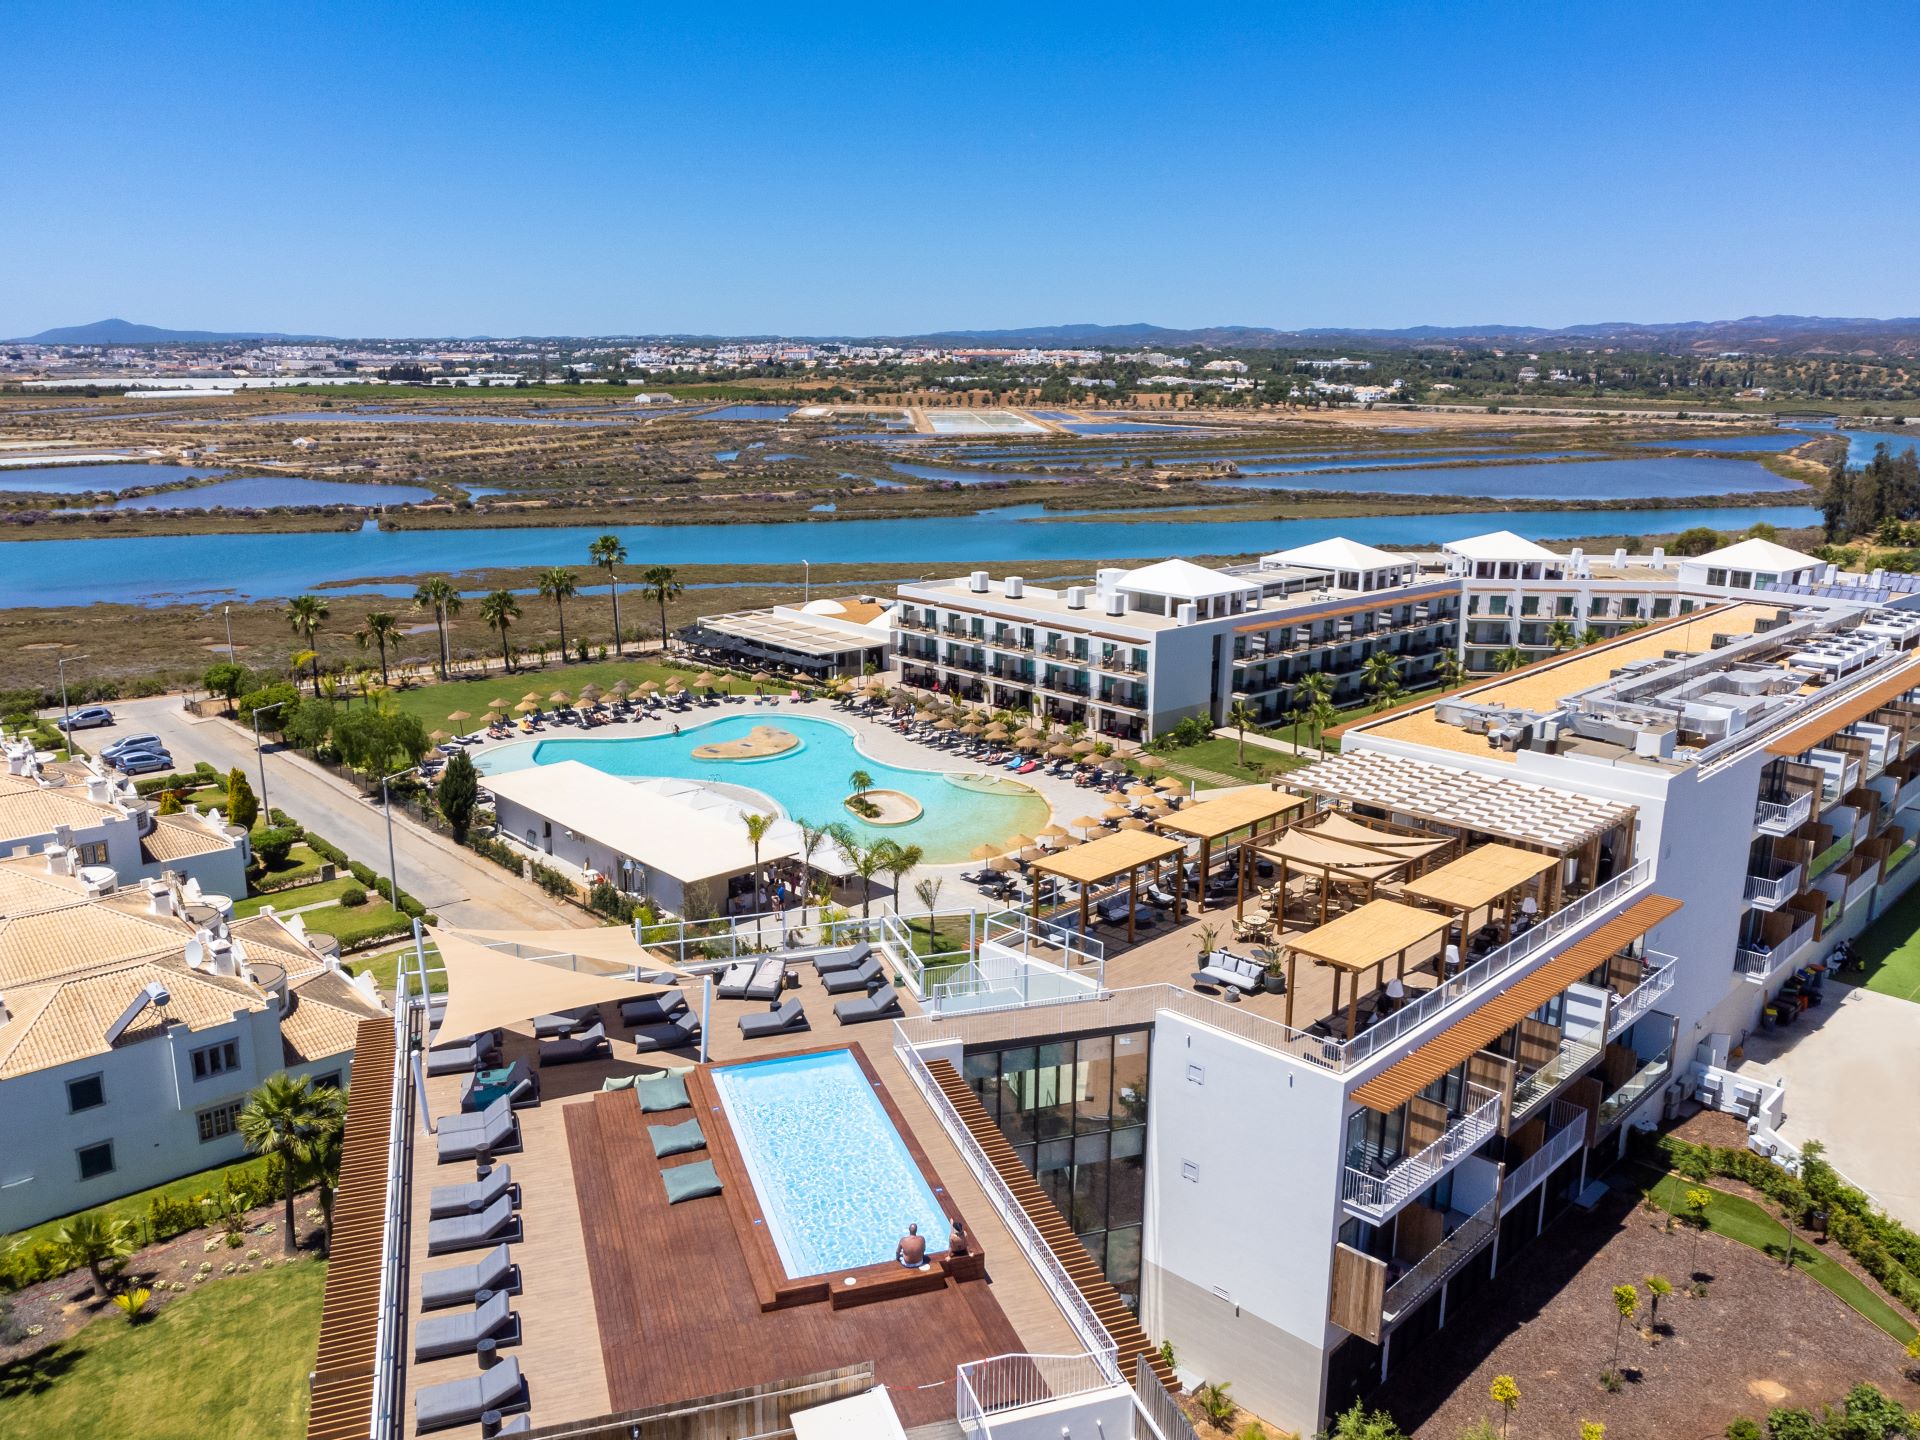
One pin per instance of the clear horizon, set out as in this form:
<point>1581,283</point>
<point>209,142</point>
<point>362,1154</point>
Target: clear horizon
<point>351,173</point>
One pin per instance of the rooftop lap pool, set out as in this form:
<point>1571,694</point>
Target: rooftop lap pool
<point>835,1180</point>
<point>809,782</point>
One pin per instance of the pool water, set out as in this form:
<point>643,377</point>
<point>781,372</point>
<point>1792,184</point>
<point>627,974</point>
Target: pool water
<point>835,1181</point>
<point>809,783</point>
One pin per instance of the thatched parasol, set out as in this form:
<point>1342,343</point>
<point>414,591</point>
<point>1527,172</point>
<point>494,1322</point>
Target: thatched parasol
<point>438,736</point>
<point>1003,863</point>
<point>1150,762</point>
<point>704,678</point>
<point>525,707</point>
<point>1083,747</point>
<point>622,689</point>
<point>559,697</point>
<point>1119,812</point>
<point>1113,765</point>
<point>649,687</point>
<point>496,704</point>
<point>1172,786</point>
<point>1053,830</point>
<point>1133,823</point>
<point>1085,822</point>
<point>1018,842</point>
<point>459,715</point>
<point>1060,752</point>
<point>984,852</point>
<point>492,717</point>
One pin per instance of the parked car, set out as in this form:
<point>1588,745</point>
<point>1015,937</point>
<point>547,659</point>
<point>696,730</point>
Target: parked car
<point>85,718</point>
<point>141,762</point>
<point>128,743</point>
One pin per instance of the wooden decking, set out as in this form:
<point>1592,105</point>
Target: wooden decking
<point>1104,1300</point>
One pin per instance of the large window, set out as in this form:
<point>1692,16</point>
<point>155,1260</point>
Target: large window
<point>211,1060</point>
<point>95,1160</point>
<point>1075,1112</point>
<point>218,1122</point>
<point>85,1094</point>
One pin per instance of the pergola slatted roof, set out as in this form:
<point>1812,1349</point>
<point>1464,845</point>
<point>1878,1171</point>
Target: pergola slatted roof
<point>1362,938</point>
<point>1809,733</point>
<point>1515,810</point>
<point>1210,819</point>
<point>1110,855</point>
<point>1479,877</point>
<point>1407,1077</point>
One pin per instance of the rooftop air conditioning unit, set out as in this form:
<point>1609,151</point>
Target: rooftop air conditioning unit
<point>1013,586</point>
<point>1076,597</point>
<point>977,582</point>
<point>1187,613</point>
<point>1116,604</point>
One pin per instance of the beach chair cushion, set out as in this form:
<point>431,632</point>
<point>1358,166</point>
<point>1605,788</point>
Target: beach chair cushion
<point>690,1182</point>
<point>619,1082</point>
<point>661,1092</point>
<point>676,1139</point>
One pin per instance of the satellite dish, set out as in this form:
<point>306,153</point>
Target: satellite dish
<point>196,954</point>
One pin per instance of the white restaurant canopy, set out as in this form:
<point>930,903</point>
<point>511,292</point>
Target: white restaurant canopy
<point>487,988</point>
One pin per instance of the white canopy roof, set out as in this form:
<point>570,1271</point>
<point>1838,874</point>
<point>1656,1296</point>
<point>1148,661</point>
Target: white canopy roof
<point>1499,545</point>
<point>870,1416</point>
<point>1761,555</point>
<point>1182,579</point>
<point>604,947</point>
<point>1336,553</point>
<point>488,988</point>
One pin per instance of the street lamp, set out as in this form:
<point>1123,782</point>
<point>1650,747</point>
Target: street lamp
<point>806,582</point>
<point>261,756</point>
<point>66,714</point>
<point>226,613</point>
<point>386,804</point>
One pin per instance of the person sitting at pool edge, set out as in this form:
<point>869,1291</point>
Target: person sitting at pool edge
<point>957,1241</point>
<point>912,1249</point>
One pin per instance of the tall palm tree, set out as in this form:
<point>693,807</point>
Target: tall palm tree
<point>1560,636</point>
<point>607,552</point>
<point>1241,715</point>
<point>499,610</point>
<point>927,892</point>
<point>811,839</point>
<point>287,1117</point>
<point>1510,658</point>
<point>380,630</point>
<point>901,860</point>
<point>96,1240</point>
<point>757,825</point>
<point>1450,670</point>
<point>438,595</point>
<point>859,782</point>
<point>866,861</point>
<point>559,585</point>
<point>304,613</point>
<point>1381,675</point>
<point>662,583</point>
<point>1313,702</point>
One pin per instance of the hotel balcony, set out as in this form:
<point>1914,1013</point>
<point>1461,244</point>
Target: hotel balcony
<point>1440,1264</point>
<point>1649,1075</point>
<point>1636,1002</point>
<point>1783,816</point>
<point>1760,960</point>
<point>1575,1056</point>
<point>1382,1187</point>
<point>1114,663</point>
<point>1773,884</point>
<point>1566,1127</point>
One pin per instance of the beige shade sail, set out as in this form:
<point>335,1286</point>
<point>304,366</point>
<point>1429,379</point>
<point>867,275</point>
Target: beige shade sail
<point>488,988</point>
<point>1338,825</point>
<point>1378,930</point>
<point>610,947</point>
<point>1303,847</point>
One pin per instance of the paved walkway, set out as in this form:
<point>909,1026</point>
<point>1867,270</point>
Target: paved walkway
<point>1267,742</point>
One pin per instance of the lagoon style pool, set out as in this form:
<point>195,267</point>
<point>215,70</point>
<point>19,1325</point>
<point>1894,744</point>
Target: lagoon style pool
<point>810,782</point>
<point>837,1185</point>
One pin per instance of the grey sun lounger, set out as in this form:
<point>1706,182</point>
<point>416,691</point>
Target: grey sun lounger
<point>680,1033</point>
<point>495,1131</point>
<point>882,1004</point>
<point>469,1232</point>
<point>784,1021</point>
<point>463,1402</point>
<point>846,960</point>
<point>572,1049</point>
<point>462,1056</point>
<point>769,979</point>
<point>653,1009</point>
<point>462,1284</point>
<point>523,1088</point>
<point>565,1022</point>
<point>734,980</point>
<point>474,1196</point>
<point>474,1120</point>
<point>461,1334</point>
<point>844,982</point>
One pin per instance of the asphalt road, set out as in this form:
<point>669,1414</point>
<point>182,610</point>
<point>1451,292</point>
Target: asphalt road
<point>457,885</point>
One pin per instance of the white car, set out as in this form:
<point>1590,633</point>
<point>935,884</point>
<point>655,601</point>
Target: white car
<point>85,718</point>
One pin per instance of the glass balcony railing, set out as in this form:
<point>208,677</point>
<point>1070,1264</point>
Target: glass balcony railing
<point>1379,1190</point>
<point>1648,1077</point>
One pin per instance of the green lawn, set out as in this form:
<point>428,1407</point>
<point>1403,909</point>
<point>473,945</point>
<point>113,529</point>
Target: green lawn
<point>135,1206</point>
<point>1220,757</point>
<point>350,926</point>
<point>1891,948</point>
<point>301,862</point>
<point>433,703</point>
<point>940,939</point>
<point>227,1362</point>
<point>384,966</point>
<point>1741,1219</point>
<point>285,900</point>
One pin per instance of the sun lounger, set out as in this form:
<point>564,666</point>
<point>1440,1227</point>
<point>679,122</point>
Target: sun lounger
<point>680,1033</point>
<point>652,1009</point>
<point>845,960</point>
<point>474,1196</point>
<point>565,1022</point>
<point>734,980</point>
<point>461,1334</point>
<point>882,1004</point>
<point>497,1131</point>
<point>522,1088</point>
<point>784,1021</point>
<point>471,1232</point>
<point>463,1055</point>
<point>572,1049</point>
<point>844,982</point>
<point>463,1402</point>
<point>462,1284</point>
<point>457,1124</point>
<point>769,979</point>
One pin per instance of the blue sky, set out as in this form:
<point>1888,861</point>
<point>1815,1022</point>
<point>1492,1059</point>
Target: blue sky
<point>511,169</point>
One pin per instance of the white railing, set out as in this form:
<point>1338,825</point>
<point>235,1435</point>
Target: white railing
<point>1028,983</point>
<point>1018,930</point>
<point>1039,1254</point>
<point>1013,1382</point>
<point>409,1026</point>
<point>1574,1055</point>
<point>1782,817</point>
<point>1635,1090</point>
<point>1379,1195</point>
<point>1495,963</point>
<point>1862,884</point>
<point>1441,1263</point>
<point>721,939</point>
<point>1637,1001</point>
<point>1566,1131</point>
<point>1779,884</point>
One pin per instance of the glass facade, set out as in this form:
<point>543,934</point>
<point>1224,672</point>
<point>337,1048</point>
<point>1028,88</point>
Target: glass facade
<point>1075,1111</point>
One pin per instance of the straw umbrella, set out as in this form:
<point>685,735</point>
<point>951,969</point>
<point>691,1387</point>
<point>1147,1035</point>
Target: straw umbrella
<point>1069,842</point>
<point>760,677</point>
<point>525,707</point>
<point>1139,792</point>
<point>533,695</point>
<point>984,852</point>
<point>649,687</point>
<point>438,736</point>
<point>1003,863</point>
<point>1018,842</point>
<point>996,732</point>
<point>970,730</point>
<point>1060,752</point>
<point>1118,812</point>
<point>1052,832</point>
<point>704,679</point>
<point>458,715</point>
<point>1150,762</point>
<point>559,697</point>
<point>944,725</point>
<point>1032,853</point>
<point>491,718</point>
<point>1083,747</point>
<point>1133,823</point>
<point>1085,822</point>
<point>1113,765</point>
<point>1029,742</point>
<point>622,688</point>
<point>591,692</point>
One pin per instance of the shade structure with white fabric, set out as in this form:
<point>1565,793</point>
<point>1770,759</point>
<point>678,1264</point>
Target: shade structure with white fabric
<point>489,988</point>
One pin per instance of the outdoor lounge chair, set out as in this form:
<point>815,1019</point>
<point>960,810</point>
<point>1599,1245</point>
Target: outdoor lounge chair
<point>652,1009</point>
<point>843,982</point>
<point>491,1226</point>
<point>769,979</point>
<point>474,1196</point>
<point>495,1131</point>
<point>462,1284</point>
<point>463,1056</point>
<point>882,1004</point>
<point>845,960</point>
<point>572,1049</point>
<point>522,1088</point>
<point>680,1033</point>
<point>461,1334</point>
<point>790,1017</point>
<point>463,1402</point>
<point>734,980</point>
<point>564,1022</point>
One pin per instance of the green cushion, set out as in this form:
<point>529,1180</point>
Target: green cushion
<point>661,1092</point>
<point>618,1082</point>
<point>676,1139</point>
<point>690,1182</point>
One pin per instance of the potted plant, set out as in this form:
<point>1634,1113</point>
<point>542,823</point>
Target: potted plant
<point>1275,980</point>
<point>1208,935</point>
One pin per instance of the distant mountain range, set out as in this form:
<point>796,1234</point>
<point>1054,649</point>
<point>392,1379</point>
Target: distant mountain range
<point>1773,334</point>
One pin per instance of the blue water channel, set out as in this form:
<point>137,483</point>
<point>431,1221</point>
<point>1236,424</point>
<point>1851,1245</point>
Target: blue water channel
<point>167,568</point>
<point>1596,479</point>
<point>94,479</point>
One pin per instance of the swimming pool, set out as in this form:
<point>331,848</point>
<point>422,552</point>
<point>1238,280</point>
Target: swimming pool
<point>808,783</point>
<point>836,1182</point>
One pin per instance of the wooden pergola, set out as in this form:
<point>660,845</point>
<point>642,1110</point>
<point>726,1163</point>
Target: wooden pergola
<point>1251,810</point>
<point>1361,940</point>
<point>1108,858</point>
<point>1483,878</point>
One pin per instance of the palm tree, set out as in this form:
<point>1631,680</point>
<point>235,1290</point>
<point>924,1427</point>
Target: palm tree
<point>288,1117</point>
<point>1240,715</point>
<point>304,613</point>
<point>558,585</point>
<point>1590,636</point>
<point>607,552</point>
<point>1560,636</point>
<point>900,861</point>
<point>439,596</point>
<point>1509,659</point>
<point>1450,670</point>
<point>757,827</point>
<point>866,861</point>
<point>811,838</point>
<point>927,892</point>
<point>662,583</point>
<point>859,782</point>
<point>499,610</point>
<point>380,630</point>
<point>1381,675</point>
<point>96,1241</point>
<point>1313,702</point>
